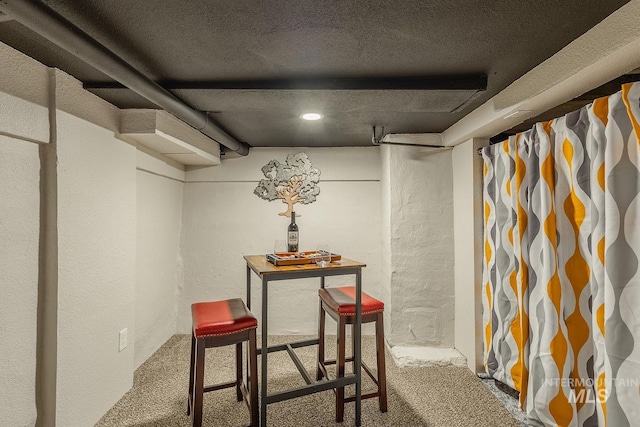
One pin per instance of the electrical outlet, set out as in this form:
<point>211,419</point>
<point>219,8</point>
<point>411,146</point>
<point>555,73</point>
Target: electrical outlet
<point>123,339</point>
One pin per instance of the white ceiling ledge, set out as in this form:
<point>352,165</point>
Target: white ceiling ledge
<point>169,136</point>
<point>413,138</point>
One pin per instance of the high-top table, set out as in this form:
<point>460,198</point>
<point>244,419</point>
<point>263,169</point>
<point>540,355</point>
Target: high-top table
<point>269,272</point>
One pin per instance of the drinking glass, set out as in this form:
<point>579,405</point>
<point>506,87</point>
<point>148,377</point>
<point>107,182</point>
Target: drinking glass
<point>324,255</point>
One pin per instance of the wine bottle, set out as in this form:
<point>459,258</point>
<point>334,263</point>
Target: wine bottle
<point>292,235</point>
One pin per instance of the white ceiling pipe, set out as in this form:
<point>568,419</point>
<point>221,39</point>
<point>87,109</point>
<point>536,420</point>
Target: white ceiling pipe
<point>49,24</point>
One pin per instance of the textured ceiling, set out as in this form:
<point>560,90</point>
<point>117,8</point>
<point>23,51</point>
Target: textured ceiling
<point>191,43</point>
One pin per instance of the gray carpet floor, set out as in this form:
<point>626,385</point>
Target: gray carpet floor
<point>508,397</point>
<point>438,396</point>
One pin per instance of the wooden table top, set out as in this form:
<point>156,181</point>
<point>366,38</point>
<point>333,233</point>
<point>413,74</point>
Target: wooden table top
<point>260,265</point>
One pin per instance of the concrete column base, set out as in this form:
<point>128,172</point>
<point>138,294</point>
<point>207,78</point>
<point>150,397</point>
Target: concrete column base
<point>426,356</point>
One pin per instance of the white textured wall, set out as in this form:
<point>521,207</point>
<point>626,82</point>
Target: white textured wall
<point>419,275</point>
<point>24,96</point>
<point>97,269</point>
<point>385,235</point>
<point>158,263</point>
<point>82,373</point>
<point>467,199</point>
<point>223,220</point>
<point>19,240</point>
<point>24,114</point>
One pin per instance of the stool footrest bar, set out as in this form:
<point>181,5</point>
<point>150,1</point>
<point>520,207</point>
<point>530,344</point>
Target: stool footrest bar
<point>218,387</point>
<point>333,361</point>
<point>364,396</point>
<point>350,359</point>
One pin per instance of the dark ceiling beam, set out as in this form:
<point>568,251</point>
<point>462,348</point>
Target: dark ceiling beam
<point>476,82</point>
<point>46,22</point>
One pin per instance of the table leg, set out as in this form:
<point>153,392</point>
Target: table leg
<point>357,355</point>
<point>247,364</point>
<point>248,287</point>
<point>263,356</point>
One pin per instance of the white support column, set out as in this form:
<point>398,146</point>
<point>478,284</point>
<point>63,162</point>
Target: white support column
<point>467,219</point>
<point>417,255</point>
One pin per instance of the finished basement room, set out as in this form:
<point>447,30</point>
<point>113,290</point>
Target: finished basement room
<point>301,213</point>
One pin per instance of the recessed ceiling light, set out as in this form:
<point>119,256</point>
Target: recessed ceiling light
<point>311,116</point>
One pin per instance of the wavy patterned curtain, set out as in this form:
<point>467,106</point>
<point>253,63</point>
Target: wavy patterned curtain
<point>561,293</point>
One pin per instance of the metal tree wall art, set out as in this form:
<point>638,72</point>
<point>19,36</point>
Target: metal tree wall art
<point>295,181</point>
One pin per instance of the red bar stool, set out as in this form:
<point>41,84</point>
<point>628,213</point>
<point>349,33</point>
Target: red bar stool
<point>217,324</point>
<point>340,303</point>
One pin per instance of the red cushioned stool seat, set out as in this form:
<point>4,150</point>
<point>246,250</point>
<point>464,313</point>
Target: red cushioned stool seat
<point>343,301</point>
<point>340,303</point>
<point>216,324</point>
<point>221,318</point>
